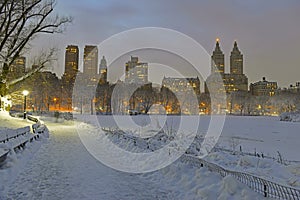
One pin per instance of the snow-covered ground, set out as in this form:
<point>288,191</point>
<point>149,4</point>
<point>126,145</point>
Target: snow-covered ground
<point>248,134</point>
<point>62,168</point>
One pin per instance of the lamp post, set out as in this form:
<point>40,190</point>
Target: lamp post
<point>25,93</point>
<point>54,99</point>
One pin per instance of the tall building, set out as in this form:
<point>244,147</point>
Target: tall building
<point>71,64</point>
<point>71,60</point>
<point>263,88</point>
<point>236,60</point>
<point>17,69</point>
<point>103,71</point>
<point>236,80</point>
<point>136,72</point>
<point>217,59</point>
<point>90,65</point>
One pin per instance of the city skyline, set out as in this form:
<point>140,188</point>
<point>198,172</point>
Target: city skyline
<point>266,31</point>
<point>236,66</point>
<point>233,70</point>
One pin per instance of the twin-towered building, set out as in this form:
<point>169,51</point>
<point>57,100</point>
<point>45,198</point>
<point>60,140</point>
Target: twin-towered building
<point>236,80</point>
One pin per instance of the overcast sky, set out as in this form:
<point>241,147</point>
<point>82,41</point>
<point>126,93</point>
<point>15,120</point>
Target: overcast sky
<point>267,31</point>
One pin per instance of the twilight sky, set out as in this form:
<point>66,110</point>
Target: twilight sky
<point>267,31</point>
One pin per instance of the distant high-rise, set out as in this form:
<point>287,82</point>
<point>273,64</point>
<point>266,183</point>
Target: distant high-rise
<point>68,78</point>
<point>236,60</point>
<point>263,88</point>
<point>136,72</point>
<point>217,59</point>
<point>71,64</point>
<point>71,60</point>
<point>90,65</point>
<point>17,68</point>
<point>103,71</point>
<point>234,81</point>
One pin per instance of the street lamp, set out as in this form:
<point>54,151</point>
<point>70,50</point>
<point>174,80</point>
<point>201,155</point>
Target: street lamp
<point>25,93</point>
<point>54,99</point>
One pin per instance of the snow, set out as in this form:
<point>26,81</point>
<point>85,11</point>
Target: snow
<point>267,135</point>
<point>61,167</point>
<point>2,150</point>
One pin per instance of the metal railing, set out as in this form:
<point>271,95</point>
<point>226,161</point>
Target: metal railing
<point>263,186</point>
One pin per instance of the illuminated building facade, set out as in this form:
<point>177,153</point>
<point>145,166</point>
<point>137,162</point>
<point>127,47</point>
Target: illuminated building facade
<point>236,80</point>
<point>182,85</point>
<point>136,72</point>
<point>90,57</point>
<point>103,71</point>
<point>263,88</point>
<point>17,69</point>
<point>236,60</point>
<point>71,60</point>
<point>71,63</point>
<point>217,60</point>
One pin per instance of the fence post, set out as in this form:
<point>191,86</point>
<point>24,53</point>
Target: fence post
<point>265,191</point>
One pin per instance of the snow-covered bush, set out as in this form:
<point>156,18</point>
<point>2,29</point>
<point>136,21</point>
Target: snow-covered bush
<point>290,116</point>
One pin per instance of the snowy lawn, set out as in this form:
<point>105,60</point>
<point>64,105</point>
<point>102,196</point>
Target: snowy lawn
<point>265,135</point>
<point>62,168</point>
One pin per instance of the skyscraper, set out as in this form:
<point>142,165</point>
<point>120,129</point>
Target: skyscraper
<point>236,60</point>
<point>17,69</point>
<point>71,61</point>
<point>217,59</point>
<point>103,71</point>
<point>90,65</point>
<point>136,72</point>
<point>234,81</point>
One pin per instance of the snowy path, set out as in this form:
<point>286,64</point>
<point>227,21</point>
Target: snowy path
<point>63,169</point>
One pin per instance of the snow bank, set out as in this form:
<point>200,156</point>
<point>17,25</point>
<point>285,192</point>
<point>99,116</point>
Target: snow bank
<point>18,157</point>
<point>262,167</point>
<point>188,182</point>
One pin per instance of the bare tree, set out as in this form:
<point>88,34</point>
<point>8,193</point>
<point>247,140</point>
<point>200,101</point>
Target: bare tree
<point>169,100</point>
<point>146,97</point>
<point>239,100</point>
<point>20,22</point>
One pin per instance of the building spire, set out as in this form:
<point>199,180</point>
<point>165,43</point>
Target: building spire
<point>217,49</point>
<point>103,63</point>
<point>236,60</point>
<point>217,62</point>
<point>235,47</point>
